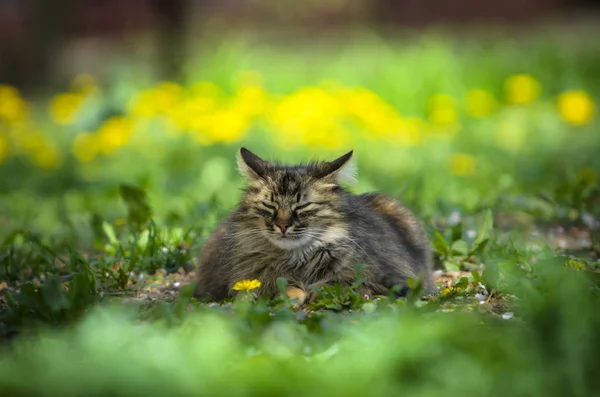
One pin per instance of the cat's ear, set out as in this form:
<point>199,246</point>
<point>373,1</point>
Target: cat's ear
<point>250,165</point>
<point>342,168</point>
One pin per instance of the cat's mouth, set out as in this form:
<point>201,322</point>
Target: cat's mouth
<point>290,241</point>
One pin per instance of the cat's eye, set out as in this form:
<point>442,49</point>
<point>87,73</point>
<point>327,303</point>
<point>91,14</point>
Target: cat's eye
<point>301,207</point>
<point>269,205</point>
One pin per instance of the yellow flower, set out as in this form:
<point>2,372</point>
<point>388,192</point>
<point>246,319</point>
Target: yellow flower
<point>157,101</point>
<point>250,100</point>
<point>521,89</point>
<point>575,265</point>
<point>309,116</point>
<point>3,148</point>
<point>587,175</point>
<point>228,126</point>
<point>447,291</point>
<point>85,147</point>
<point>463,164</point>
<point>408,132</point>
<point>46,157</point>
<point>442,110</point>
<point>64,107</point>
<point>480,103</point>
<point>246,285</point>
<point>576,107</point>
<point>114,133</point>
<point>371,113</point>
<point>12,107</point>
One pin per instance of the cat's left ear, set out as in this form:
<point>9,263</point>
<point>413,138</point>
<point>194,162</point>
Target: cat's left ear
<point>342,168</point>
<point>250,165</point>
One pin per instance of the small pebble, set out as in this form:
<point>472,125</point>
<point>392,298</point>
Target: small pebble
<point>481,297</point>
<point>508,315</point>
<point>454,218</point>
<point>589,220</point>
<point>584,242</point>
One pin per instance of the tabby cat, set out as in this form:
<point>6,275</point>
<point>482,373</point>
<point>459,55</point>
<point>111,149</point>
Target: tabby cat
<point>299,223</point>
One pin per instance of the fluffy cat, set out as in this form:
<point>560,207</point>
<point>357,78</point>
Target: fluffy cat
<point>299,223</point>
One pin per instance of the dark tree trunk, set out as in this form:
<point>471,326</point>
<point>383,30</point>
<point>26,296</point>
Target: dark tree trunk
<point>171,14</point>
<point>47,25</point>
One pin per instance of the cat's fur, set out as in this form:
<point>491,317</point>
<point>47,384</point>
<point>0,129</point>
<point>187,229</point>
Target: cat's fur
<point>324,241</point>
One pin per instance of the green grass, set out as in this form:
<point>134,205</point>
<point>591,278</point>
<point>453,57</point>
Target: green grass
<point>97,259</point>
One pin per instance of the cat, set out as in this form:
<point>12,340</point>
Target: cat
<point>299,223</point>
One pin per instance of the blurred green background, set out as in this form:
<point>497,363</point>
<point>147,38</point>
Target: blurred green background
<point>119,125</point>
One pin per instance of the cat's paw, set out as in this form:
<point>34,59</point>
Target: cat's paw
<point>297,295</point>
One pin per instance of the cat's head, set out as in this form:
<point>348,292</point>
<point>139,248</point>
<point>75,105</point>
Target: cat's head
<point>294,206</point>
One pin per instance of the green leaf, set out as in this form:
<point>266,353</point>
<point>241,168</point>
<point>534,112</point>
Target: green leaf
<point>358,273</point>
<point>139,210</point>
<point>440,245</point>
<point>462,282</point>
<point>97,226</point>
<point>451,265</point>
<point>416,290</point>
<point>476,277</point>
<point>484,231</point>
<point>54,294</point>
<point>185,295</point>
<point>456,232</point>
<point>282,285</point>
<point>491,275</point>
<point>459,247</point>
<point>110,233</point>
<point>15,237</point>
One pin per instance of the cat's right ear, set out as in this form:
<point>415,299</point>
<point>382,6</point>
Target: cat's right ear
<point>250,165</point>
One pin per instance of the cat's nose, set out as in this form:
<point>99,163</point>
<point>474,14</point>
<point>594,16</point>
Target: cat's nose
<point>283,220</point>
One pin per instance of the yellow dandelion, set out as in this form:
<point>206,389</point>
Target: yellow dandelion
<point>480,103</point>
<point>442,110</point>
<point>12,106</point>
<point>463,164</point>
<point>227,125</point>
<point>159,100</point>
<point>246,285</point>
<point>521,89</point>
<point>64,107</point>
<point>114,133</point>
<point>85,147</point>
<point>446,291</point>
<point>576,107</point>
<point>47,157</point>
<point>575,265</point>
<point>250,101</point>
<point>3,148</point>
<point>587,175</point>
